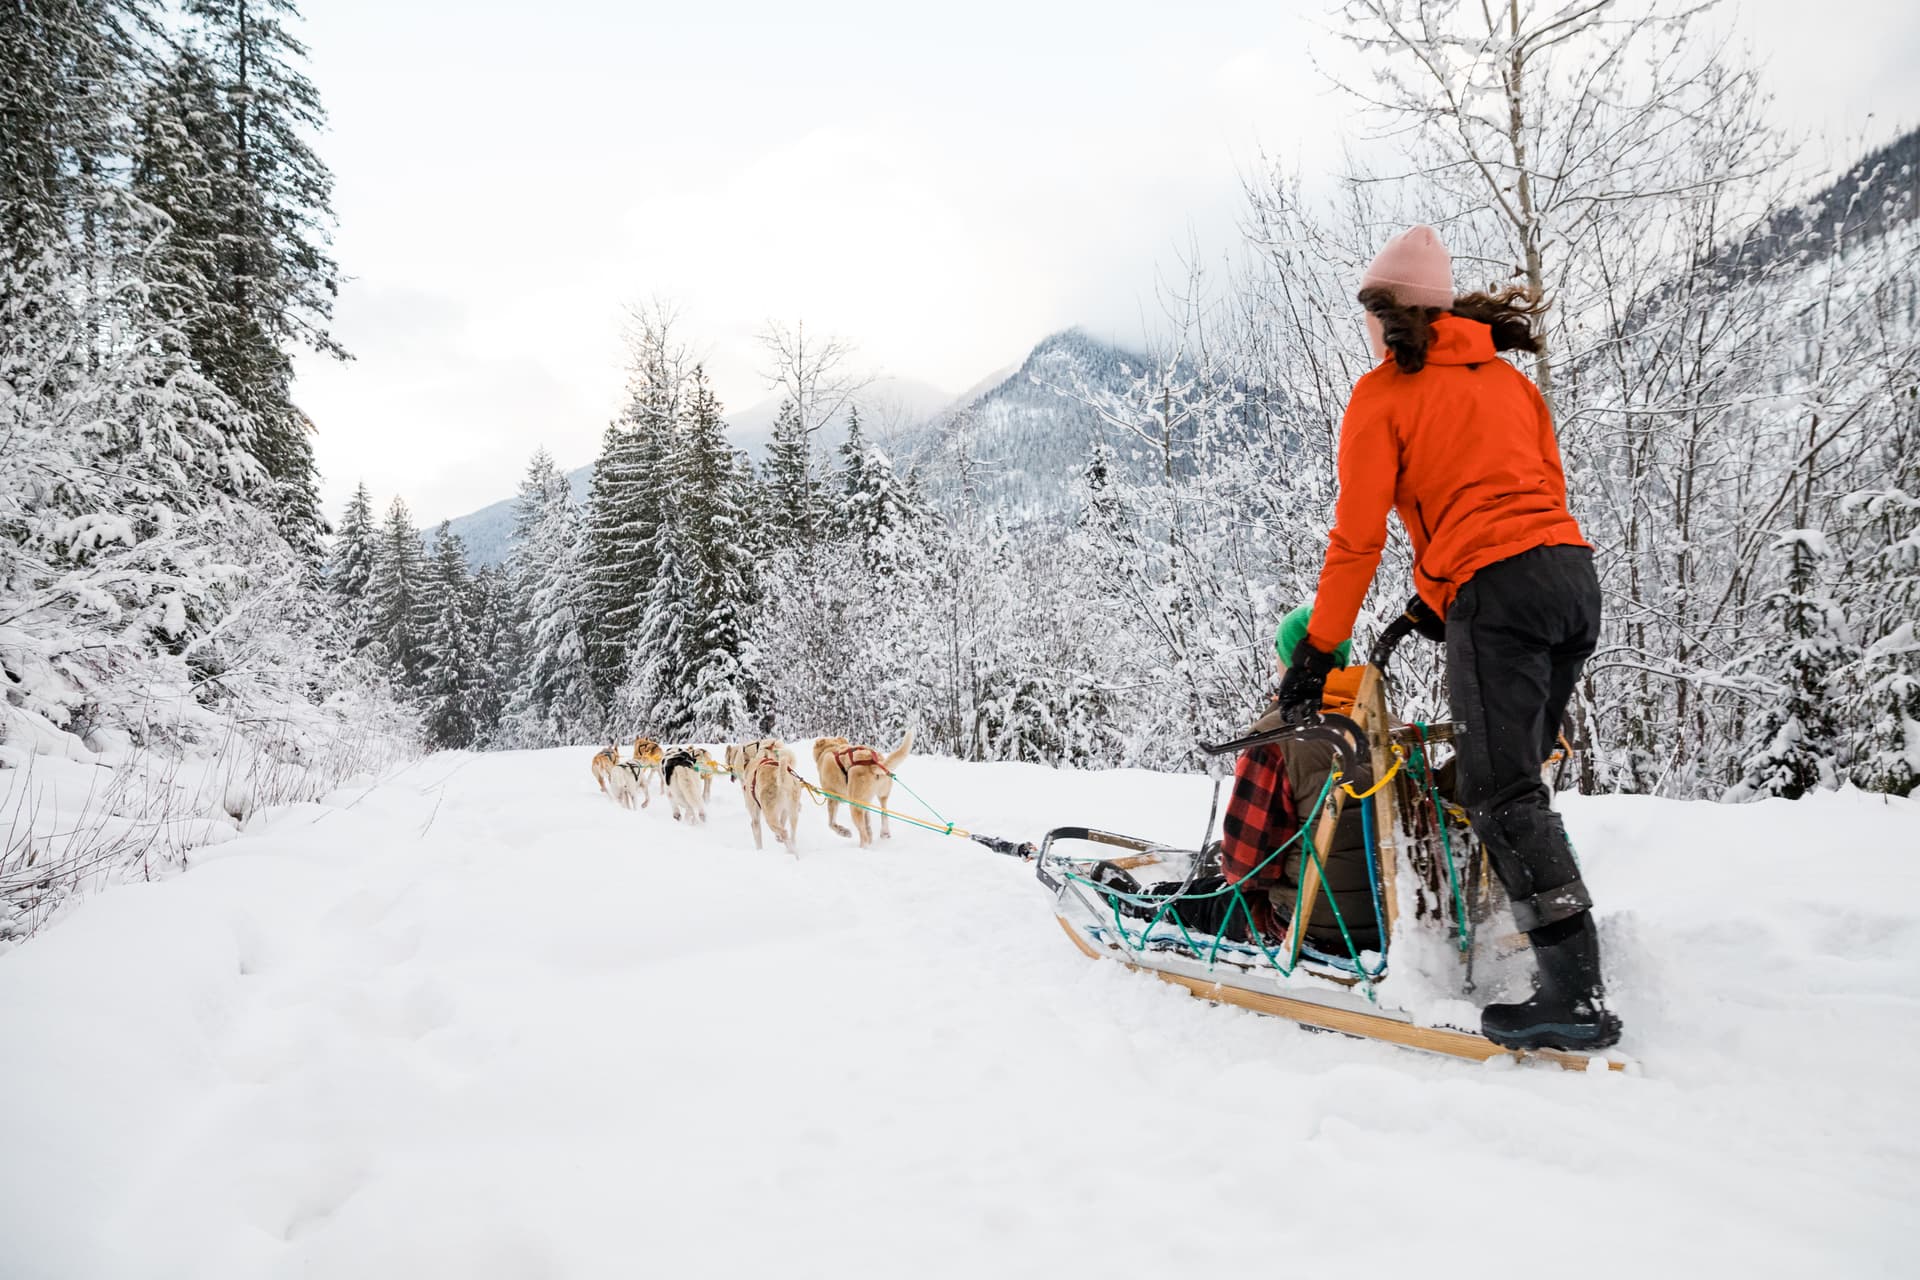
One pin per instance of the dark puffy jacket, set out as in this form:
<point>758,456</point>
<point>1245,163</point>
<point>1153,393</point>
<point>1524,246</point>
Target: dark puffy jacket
<point>1308,764</point>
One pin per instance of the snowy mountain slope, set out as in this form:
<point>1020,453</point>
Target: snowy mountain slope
<point>1029,433</point>
<point>476,1021</point>
<point>1030,438</point>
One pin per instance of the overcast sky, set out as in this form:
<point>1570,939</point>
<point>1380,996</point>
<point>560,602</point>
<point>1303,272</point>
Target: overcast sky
<point>942,184</point>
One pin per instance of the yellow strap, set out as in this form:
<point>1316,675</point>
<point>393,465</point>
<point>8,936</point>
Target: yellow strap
<point>1399,758</point>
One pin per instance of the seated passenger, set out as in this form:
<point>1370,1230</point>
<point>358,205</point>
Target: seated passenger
<point>1275,786</point>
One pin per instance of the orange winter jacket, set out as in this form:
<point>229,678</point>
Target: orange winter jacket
<point>1465,451</point>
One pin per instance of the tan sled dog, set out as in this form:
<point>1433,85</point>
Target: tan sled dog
<point>647,754</point>
<point>740,754</point>
<point>604,764</point>
<point>860,774</point>
<point>708,768</point>
<point>772,789</point>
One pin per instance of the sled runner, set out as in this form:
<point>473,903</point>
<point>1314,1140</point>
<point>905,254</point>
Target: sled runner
<point>1429,889</point>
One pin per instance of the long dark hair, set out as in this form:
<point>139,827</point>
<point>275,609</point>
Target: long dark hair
<point>1509,312</point>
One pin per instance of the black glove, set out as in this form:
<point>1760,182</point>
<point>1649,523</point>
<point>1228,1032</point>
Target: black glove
<point>1305,682</point>
<point>1428,623</point>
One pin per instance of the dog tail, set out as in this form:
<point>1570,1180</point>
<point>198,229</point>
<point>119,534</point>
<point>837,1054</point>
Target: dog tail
<point>899,753</point>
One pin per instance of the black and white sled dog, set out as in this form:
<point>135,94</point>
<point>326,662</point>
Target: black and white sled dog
<point>681,779</point>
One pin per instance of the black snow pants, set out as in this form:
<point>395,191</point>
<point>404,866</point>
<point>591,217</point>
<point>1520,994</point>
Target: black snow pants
<point>1205,909</point>
<point>1517,635</point>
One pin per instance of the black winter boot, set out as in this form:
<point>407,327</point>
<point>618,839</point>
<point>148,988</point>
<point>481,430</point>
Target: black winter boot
<point>1568,1009</point>
<point>1108,876</point>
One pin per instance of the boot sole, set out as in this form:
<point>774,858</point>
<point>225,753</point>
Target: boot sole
<point>1558,1035</point>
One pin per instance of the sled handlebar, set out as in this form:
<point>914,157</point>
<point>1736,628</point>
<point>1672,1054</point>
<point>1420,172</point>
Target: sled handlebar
<point>1337,731</point>
<point>1382,652</point>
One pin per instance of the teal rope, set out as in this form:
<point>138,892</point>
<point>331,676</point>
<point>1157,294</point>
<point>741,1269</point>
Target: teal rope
<point>1463,928</point>
<point>1145,899</point>
<point>1339,918</point>
<point>1115,896</point>
<point>917,796</point>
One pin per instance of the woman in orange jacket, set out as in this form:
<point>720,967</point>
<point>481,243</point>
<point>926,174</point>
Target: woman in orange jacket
<point>1460,443</point>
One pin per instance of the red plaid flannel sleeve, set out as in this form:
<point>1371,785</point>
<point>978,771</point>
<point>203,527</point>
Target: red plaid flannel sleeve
<point>1260,818</point>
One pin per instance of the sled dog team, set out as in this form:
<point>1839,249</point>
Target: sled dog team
<point>859,776</point>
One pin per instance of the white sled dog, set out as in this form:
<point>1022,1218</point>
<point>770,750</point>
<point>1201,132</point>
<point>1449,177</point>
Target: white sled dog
<point>626,783</point>
<point>680,779</point>
<point>772,789</point>
<point>860,774</point>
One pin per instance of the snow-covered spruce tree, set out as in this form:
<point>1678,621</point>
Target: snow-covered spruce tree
<point>1795,745</point>
<point>1882,685</point>
<point>612,560</point>
<point>701,679</point>
<point>625,513</point>
<point>807,587</point>
<point>555,701</point>
<point>350,566</point>
<point>875,514</point>
<point>451,679</point>
<point>67,72</point>
<point>114,545</point>
<point>497,652</point>
<point>245,267</point>
<point>397,607</point>
<point>794,502</point>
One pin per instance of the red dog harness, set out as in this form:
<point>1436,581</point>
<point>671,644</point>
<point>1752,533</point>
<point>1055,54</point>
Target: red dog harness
<point>844,758</point>
<point>753,776</point>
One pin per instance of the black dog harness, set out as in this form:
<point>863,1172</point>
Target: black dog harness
<point>678,760</point>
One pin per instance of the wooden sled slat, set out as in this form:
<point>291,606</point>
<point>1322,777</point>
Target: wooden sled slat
<point>1370,714</point>
<point>1386,822</point>
<point>1456,1044</point>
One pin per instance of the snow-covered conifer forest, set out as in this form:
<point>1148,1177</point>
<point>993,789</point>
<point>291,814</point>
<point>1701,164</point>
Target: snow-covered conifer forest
<point>165,610</point>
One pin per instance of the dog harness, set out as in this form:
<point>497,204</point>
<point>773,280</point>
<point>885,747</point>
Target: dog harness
<point>844,758</point>
<point>753,775</point>
<point>678,760</point>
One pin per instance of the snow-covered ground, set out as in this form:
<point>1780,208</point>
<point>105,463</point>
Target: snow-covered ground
<point>476,1021</point>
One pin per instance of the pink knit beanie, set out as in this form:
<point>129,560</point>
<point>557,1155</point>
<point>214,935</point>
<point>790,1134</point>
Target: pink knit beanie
<point>1415,267</point>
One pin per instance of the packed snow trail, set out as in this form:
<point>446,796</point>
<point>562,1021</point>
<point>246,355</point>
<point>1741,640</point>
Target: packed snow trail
<point>476,1021</point>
